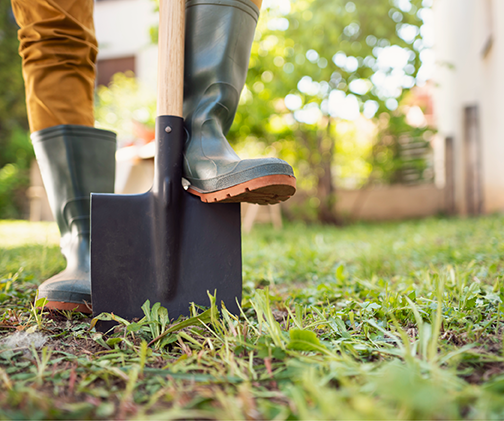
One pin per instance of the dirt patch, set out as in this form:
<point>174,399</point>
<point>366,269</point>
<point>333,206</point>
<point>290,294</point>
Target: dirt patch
<point>483,372</point>
<point>454,338</point>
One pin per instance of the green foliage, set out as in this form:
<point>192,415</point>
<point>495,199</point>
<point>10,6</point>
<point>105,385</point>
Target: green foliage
<point>18,149</point>
<point>15,147</point>
<point>154,326</point>
<point>123,102</point>
<point>310,61</point>
<point>373,321</point>
<point>311,34</point>
<point>398,155</point>
<point>304,340</point>
<point>12,100</point>
<point>13,182</point>
<point>14,174</point>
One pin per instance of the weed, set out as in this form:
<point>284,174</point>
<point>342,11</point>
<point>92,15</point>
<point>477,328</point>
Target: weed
<point>37,310</point>
<point>385,321</point>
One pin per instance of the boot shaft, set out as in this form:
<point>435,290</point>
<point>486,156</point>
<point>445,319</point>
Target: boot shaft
<point>218,41</point>
<point>74,161</point>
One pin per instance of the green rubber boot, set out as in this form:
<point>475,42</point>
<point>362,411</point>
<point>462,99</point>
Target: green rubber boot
<point>219,35</point>
<point>74,161</point>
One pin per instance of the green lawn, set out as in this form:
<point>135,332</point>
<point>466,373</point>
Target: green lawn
<point>371,321</point>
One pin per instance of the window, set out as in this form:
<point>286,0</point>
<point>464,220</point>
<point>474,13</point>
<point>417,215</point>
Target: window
<point>488,36</point>
<point>108,67</point>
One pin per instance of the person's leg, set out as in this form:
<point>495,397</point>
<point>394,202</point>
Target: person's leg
<point>219,35</point>
<point>58,48</point>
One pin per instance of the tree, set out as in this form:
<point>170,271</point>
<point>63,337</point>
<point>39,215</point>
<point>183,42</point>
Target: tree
<point>12,98</point>
<point>315,63</point>
<point>15,147</point>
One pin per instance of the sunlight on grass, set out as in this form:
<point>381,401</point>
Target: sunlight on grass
<point>22,233</point>
<point>29,254</point>
<point>369,321</point>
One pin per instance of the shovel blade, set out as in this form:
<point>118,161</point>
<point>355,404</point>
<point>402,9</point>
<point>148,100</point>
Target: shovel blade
<point>126,268</point>
<point>121,253</point>
<point>210,257</point>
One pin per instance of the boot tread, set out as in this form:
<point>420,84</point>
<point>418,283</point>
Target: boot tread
<point>267,190</point>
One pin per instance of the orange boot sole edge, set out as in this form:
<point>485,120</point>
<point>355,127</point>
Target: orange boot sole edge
<point>62,305</point>
<point>267,190</point>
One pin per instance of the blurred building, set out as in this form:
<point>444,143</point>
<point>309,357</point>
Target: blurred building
<point>123,30</point>
<point>469,101</point>
<point>123,33</point>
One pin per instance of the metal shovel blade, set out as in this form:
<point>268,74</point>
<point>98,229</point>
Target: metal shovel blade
<point>164,245</point>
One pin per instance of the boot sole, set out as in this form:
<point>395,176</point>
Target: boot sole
<point>61,305</point>
<point>267,190</point>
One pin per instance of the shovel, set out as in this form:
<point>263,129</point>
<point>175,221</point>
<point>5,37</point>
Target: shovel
<point>164,245</point>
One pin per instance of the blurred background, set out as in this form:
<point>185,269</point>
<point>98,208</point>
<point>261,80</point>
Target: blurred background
<point>387,109</point>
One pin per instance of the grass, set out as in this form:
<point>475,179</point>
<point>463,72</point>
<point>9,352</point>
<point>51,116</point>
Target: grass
<point>372,321</point>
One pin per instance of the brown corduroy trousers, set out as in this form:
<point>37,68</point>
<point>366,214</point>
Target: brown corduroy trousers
<point>58,47</point>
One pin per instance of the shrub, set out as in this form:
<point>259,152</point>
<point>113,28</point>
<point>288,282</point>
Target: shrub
<point>13,183</point>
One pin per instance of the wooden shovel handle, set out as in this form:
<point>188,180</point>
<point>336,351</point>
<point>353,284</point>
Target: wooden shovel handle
<point>171,57</point>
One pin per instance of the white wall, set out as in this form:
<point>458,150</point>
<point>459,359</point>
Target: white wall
<point>464,77</point>
<point>122,29</point>
<point>492,94</point>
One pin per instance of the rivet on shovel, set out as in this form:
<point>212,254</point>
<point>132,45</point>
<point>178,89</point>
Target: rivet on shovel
<point>167,129</point>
